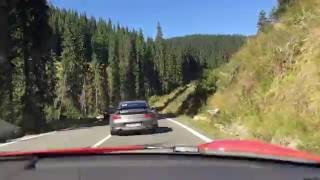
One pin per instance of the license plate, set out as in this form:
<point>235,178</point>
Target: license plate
<point>133,125</point>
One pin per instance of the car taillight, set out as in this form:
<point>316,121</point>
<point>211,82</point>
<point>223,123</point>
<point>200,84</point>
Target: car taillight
<point>149,116</point>
<point>115,117</point>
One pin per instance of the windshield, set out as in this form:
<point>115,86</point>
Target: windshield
<point>184,73</point>
<point>133,105</point>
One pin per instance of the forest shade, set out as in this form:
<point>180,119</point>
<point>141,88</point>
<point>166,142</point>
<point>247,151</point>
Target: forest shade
<point>63,64</point>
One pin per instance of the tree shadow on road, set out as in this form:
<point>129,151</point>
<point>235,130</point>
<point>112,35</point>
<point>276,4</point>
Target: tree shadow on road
<point>71,124</point>
<point>168,115</point>
<point>159,130</point>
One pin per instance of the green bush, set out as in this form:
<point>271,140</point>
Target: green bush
<point>208,83</point>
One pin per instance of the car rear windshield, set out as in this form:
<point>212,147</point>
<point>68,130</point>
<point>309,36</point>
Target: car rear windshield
<point>134,105</point>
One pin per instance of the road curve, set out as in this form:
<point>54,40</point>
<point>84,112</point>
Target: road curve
<point>168,133</point>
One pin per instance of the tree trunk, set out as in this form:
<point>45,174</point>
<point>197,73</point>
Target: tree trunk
<point>4,32</point>
<point>83,98</point>
<point>4,64</point>
<point>97,89</point>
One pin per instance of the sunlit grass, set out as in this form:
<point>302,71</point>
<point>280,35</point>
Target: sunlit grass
<point>205,127</point>
<point>174,107</point>
<point>270,90</point>
<point>272,86</point>
<point>160,102</point>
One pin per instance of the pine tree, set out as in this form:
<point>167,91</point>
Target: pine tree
<point>139,64</point>
<point>101,87</point>
<point>114,70</point>
<point>285,2</point>
<point>160,60</point>
<point>100,56</point>
<point>83,64</point>
<point>151,73</point>
<point>282,7</point>
<point>129,67</point>
<point>122,53</point>
<point>5,68</point>
<point>100,42</point>
<point>73,69</point>
<point>173,71</point>
<point>263,21</point>
<point>32,18</point>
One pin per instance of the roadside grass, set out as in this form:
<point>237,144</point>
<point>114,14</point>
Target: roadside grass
<point>174,102</point>
<point>271,86</point>
<point>160,102</point>
<point>175,106</point>
<point>270,89</point>
<point>205,127</point>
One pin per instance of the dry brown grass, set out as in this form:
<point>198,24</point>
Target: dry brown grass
<point>272,86</point>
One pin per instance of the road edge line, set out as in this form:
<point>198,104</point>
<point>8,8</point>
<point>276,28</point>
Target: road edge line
<point>36,136</point>
<point>101,141</point>
<point>7,144</point>
<point>26,138</point>
<point>192,131</point>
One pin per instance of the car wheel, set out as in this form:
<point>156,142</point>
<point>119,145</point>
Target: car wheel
<point>149,131</point>
<point>154,128</point>
<point>113,132</point>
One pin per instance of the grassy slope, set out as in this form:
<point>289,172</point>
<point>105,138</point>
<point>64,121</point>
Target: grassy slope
<point>160,102</point>
<point>173,102</point>
<point>271,88</point>
<point>205,127</point>
<point>175,106</point>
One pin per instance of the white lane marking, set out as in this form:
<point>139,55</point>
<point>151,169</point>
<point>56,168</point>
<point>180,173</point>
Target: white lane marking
<point>101,141</point>
<point>192,131</point>
<point>6,144</point>
<point>36,136</point>
<point>26,138</point>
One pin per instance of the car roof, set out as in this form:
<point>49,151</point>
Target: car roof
<point>136,101</point>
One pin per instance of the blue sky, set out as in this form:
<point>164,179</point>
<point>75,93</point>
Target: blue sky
<point>177,17</point>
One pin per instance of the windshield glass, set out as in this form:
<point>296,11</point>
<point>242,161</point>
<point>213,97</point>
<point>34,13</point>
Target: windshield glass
<point>183,72</point>
<point>133,105</point>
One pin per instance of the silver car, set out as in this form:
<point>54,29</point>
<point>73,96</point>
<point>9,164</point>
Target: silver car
<point>133,116</point>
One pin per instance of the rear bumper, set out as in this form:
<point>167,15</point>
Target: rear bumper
<point>145,125</point>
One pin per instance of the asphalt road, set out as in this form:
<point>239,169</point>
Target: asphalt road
<point>168,133</point>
